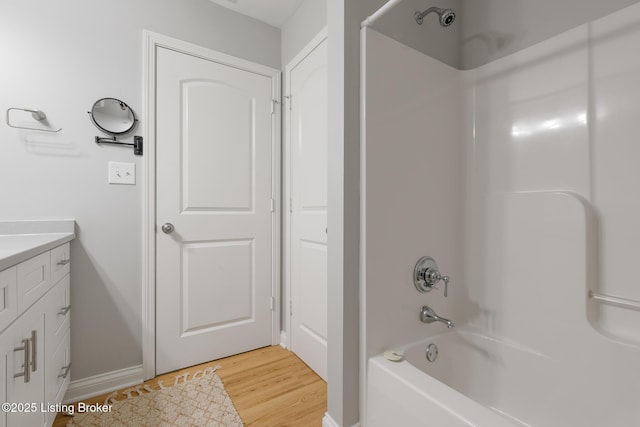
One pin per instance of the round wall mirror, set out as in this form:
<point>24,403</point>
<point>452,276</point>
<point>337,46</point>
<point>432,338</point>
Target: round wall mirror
<point>113,116</point>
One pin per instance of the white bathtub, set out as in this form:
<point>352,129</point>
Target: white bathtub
<point>480,381</point>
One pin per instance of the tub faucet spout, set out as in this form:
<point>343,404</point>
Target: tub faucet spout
<point>427,315</point>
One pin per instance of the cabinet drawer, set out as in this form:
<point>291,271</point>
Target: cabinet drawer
<point>60,262</point>
<point>58,314</point>
<point>34,279</point>
<point>8,300</point>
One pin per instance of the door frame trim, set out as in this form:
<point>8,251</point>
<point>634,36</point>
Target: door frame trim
<point>286,176</point>
<point>151,41</point>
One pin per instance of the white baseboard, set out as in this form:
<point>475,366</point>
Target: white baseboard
<point>327,421</point>
<point>283,339</point>
<point>103,383</point>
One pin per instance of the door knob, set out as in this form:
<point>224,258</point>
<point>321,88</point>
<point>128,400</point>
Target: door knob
<point>167,228</point>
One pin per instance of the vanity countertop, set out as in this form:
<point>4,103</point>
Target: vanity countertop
<point>21,240</point>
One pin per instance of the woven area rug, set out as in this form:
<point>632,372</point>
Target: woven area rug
<point>197,401</point>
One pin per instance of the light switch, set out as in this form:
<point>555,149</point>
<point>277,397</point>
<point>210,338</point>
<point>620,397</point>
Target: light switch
<point>122,173</point>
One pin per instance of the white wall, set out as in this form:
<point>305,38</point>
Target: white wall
<point>60,58</point>
<point>557,116</point>
<point>528,133</point>
<point>306,22</point>
<point>413,190</point>
<point>615,153</point>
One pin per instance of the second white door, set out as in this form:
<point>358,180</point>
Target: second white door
<point>307,186</point>
<point>215,207</point>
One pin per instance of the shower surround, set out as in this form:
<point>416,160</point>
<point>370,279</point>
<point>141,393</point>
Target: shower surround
<point>520,178</point>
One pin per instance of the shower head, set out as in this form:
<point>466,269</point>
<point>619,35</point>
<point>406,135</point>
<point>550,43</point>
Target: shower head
<point>446,16</point>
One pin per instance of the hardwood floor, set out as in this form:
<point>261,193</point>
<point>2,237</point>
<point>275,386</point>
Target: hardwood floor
<point>269,387</point>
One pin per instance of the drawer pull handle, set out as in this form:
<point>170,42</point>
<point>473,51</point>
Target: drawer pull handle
<point>64,262</point>
<point>64,310</point>
<point>65,371</point>
<point>25,365</point>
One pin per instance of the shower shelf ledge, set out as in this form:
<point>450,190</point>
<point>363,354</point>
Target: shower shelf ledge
<point>617,301</point>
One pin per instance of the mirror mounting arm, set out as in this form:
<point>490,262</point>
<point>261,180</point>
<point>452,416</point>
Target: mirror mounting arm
<point>137,143</point>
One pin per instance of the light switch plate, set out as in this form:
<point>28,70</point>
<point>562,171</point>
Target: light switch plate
<point>122,173</point>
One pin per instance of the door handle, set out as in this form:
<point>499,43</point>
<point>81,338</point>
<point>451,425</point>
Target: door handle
<point>167,228</point>
<point>34,351</point>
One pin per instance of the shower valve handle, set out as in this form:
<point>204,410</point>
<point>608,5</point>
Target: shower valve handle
<point>426,276</point>
<point>433,277</point>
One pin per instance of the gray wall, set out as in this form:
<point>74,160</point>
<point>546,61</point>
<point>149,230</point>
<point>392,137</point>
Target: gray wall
<point>304,24</point>
<point>444,43</point>
<point>489,29</point>
<point>60,57</point>
<point>343,36</point>
<point>495,28</point>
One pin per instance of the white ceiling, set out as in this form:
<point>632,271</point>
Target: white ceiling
<point>273,12</point>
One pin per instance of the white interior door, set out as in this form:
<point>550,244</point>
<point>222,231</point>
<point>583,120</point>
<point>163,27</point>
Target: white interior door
<point>307,184</point>
<point>215,194</point>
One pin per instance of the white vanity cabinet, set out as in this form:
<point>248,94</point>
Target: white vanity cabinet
<point>25,370</point>
<point>58,344</point>
<point>35,337</point>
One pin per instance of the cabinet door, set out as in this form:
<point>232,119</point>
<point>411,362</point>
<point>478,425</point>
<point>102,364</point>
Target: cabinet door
<point>58,313</point>
<point>6,351</point>
<point>60,262</point>
<point>58,373</point>
<point>27,331</point>
<point>57,342</point>
<point>34,280</point>
<point>8,299</point>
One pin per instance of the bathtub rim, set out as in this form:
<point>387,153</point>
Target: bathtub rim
<point>414,378</point>
<point>445,398</point>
